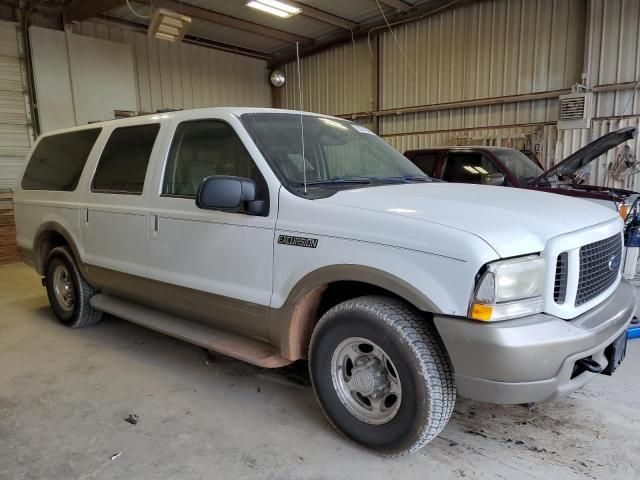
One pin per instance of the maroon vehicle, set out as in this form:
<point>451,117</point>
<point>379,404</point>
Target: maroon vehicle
<point>512,168</point>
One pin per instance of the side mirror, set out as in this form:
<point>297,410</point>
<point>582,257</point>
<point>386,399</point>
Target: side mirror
<point>230,194</point>
<point>493,179</point>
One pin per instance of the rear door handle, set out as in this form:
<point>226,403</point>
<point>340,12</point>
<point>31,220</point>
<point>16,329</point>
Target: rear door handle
<point>155,226</point>
<point>84,215</point>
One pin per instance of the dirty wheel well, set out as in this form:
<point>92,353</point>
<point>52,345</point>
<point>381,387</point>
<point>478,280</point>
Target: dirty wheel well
<point>317,302</point>
<point>338,292</point>
<point>47,242</point>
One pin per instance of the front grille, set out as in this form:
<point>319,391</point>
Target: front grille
<point>599,268</point>
<point>560,286</point>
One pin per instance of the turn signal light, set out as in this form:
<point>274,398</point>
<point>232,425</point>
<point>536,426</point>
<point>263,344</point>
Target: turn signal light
<point>481,312</point>
<point>624,211</point>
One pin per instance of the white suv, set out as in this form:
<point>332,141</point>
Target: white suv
<point>273,236</point>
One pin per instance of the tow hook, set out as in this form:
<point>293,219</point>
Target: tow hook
<point>590,365</point>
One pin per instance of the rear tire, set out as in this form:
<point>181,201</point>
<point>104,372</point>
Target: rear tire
<point>381,374</point>
<point>68,291</point>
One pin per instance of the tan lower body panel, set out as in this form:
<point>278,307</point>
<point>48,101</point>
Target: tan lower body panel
<point>232,345</point>
<point>224,313</point>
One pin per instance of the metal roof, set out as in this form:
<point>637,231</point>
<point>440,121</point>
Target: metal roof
<point>320,23</point>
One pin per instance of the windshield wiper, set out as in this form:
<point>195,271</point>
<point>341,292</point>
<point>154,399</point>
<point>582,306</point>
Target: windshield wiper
<point>362,180</point>
<point>342,180</point>
<point>414,177</point>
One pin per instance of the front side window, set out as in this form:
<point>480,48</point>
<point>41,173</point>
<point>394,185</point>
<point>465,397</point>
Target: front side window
<point>521,166</point>
<point>202,148</point>
<point>123,164</point>
<point>325,151</point>
<point>468,168</point>
<point>57,162</point>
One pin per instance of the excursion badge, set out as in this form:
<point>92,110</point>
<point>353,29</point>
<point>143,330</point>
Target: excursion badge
<point>298,241</point>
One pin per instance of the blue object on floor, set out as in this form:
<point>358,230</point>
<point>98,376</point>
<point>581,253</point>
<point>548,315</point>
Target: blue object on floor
<point>634,331</point>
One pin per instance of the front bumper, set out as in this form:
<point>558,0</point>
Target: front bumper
<point>532,359</point>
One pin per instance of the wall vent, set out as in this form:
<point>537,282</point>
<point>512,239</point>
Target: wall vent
<point>575,110</point>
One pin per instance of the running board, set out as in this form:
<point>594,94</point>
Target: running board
<point>229,344</point>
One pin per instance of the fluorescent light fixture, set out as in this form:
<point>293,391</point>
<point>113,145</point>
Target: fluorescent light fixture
<point>274,7</point>
<point>168,25</point>
<point>281,6</point>
<point>470,169</point>
<point>482,170</point>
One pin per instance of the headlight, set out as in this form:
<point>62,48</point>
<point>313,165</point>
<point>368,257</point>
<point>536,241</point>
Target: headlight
<point>509,289</point>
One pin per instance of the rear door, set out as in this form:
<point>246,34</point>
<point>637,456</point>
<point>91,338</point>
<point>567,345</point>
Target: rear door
<point>113,221</point>
<point>213,266</point>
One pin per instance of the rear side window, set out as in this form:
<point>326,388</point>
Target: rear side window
<point>426,162</point>
<point>58,160</point>
<point>123,164</point>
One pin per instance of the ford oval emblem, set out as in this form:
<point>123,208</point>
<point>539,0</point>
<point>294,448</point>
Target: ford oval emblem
<point>614,263</point>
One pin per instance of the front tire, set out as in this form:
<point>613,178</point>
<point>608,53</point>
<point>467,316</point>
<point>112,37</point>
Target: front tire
<point>381,374</point>
<point>68,292</point>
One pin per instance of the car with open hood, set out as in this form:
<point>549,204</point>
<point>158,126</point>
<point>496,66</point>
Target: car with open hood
<point>509,167</point>
<point>274,236</point>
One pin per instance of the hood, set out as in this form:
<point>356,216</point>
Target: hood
<point>513,221</point>
<point>587,154</point>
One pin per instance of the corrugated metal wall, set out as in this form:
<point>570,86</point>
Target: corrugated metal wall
<point>15,123</point>
<point>613,57</point>
<point>180,75</point>
<point>485,50</point>
<point>336,81</point>
<point>614,54</point>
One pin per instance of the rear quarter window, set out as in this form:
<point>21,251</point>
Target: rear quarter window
<point>58,160</point>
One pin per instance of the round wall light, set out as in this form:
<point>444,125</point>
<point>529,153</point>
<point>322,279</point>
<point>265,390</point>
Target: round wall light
<point>277,78</point>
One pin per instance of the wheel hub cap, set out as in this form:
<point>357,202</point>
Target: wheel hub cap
<point>369,378</point>
<point>366,381</point>
<point>63,288</point>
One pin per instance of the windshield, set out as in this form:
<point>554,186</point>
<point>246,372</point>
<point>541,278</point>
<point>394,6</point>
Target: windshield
<point>337,153</point>
<point>519,165</point>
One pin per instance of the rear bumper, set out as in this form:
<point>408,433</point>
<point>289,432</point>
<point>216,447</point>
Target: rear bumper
<point>532,359</point>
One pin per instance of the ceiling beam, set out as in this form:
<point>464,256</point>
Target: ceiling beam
<point>229,21</point>
<point>417,13</point>
<point>190,39</point>
<point>323,16</point>
<point>79,10</point>
<point>397,4</point>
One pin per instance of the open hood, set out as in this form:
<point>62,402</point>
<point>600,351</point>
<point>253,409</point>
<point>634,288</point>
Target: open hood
<point>574,162</point>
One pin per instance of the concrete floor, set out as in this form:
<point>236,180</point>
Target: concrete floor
<point>64,395</point>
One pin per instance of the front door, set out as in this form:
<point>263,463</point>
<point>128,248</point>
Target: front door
<point>212,266</point>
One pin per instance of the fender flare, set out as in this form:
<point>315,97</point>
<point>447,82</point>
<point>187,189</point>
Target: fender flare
<point>40,237</point>
<point>291,325</point>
